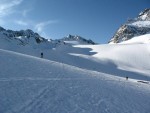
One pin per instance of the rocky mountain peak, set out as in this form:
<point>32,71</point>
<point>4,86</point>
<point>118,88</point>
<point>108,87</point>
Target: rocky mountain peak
<point>145,15</point>
<point>23,37</point>
<point>28,37</point>
<point>2,29</point>
<point>77,38</point>
<point>135,27</point>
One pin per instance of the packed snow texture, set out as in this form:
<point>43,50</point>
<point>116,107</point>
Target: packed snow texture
<point>34,85</point>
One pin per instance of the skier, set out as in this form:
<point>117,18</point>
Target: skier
<point>41,55</point>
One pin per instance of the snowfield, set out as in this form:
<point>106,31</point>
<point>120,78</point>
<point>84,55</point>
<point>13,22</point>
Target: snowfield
<point>34,85</point>
<point>74,78</point>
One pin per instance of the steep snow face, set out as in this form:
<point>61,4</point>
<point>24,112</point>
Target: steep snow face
<point>134,27</point>
<point>33,85</point>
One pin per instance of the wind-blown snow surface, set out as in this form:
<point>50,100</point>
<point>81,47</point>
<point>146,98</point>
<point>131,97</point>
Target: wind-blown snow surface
<point>33,85</point>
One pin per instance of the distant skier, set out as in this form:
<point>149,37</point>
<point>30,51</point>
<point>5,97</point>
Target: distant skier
<point>41,55</point>
<point>127,78</point>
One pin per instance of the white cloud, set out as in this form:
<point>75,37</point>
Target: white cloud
<point>43,34</point>
<point>40,26</point>
<point>25,12</point>
<point>20,22</point>
<point>6,6</point>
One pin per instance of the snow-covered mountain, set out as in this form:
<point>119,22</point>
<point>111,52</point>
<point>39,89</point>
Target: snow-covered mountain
<point>76,40</point>
<point>133,27</point>
<point>30,38</point>
<point>23,37</point>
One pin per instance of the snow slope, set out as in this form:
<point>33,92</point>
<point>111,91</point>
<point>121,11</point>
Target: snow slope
<point>129,58</point>
<point>116,59</point>
<point>33,85</point>
<point>138,40</point>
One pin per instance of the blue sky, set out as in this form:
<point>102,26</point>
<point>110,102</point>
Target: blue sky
<point>92,19</point>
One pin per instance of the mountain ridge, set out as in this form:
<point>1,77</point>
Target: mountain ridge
<point>26,37</point>
<point>133,27</point>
